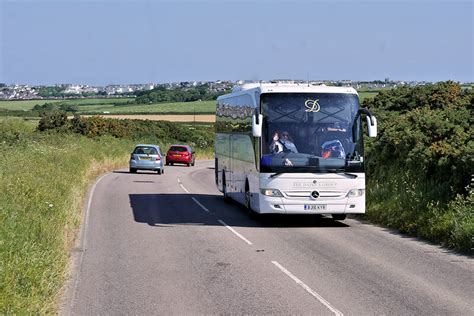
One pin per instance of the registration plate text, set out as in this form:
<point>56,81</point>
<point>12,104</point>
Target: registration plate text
<point>315,207</point>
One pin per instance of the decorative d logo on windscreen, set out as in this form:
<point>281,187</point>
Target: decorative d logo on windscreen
<point>312,105</point>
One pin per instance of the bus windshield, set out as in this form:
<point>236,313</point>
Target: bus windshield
<point>311,132</point>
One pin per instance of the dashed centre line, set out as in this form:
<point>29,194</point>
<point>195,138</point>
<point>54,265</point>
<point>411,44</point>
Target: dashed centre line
<point>219,220</point>
<point>182,186</point>
<point>202,206</point>
<point>235,232</point>
<point>309,290</point>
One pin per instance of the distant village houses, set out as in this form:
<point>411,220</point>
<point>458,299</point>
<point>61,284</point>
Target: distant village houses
<point>60,91</point>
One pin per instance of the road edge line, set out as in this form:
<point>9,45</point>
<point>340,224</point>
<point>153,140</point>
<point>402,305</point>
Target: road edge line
<point>82,246</point>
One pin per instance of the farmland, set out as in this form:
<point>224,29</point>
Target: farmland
<point>198,107</point>
<point>366,94</point>
<point>25,105</point>
<point>161,117</point>
<point>116,106</point>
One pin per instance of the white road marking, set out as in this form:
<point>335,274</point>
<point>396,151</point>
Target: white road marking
<point>222,222</point>
<point>83,239</point>
<point>309,290</point>
<point>202,206</point>
<point>182,186</point>
<point>235,232</point>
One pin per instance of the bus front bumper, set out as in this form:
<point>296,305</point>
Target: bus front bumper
<point>281,205</point>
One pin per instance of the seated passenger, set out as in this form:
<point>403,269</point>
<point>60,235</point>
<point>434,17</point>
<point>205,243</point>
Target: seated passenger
<point>276,146</point>
<point>287,142</point>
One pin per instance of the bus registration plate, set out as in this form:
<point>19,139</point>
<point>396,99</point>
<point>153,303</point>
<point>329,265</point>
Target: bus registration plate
<point>315,207</point>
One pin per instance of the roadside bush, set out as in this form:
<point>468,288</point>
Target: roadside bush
<point>421,164</point>
<point>53,120</point>
<point>14,131</point>
<point>56,106</point>
<point>154,131</point>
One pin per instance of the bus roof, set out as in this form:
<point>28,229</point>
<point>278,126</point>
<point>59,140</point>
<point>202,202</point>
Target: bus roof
<point>288,87</point>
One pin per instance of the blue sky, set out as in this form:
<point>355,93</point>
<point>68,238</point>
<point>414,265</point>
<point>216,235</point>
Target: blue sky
<point>113,42</point>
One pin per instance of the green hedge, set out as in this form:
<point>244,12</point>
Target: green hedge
<point>162,132</point>
<point>421,164</point>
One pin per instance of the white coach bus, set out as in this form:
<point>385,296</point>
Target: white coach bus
<point>292,148</point>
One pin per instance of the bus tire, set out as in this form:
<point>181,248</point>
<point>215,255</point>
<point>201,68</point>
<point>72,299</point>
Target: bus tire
<point>248,206</point>
<point>338,217</point>
<point>224,189</point>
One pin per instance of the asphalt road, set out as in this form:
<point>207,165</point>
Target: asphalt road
<point>168,244</point>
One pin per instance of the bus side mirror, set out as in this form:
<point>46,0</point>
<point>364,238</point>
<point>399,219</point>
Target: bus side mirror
<point>372,125</point>
<point>257,120</point>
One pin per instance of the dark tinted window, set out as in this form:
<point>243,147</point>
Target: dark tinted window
<point>178,148</point>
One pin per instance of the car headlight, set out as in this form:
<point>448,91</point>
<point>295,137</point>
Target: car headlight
<point>356,193</point>
<point>271,192</point>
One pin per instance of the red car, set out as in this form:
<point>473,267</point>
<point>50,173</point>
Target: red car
<point>180,154</point>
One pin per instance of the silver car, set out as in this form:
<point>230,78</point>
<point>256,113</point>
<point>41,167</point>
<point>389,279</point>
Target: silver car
<point>147,157</point>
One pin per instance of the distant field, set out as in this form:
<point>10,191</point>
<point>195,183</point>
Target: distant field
<point>159,108</point>
<point>20,105</point>
<point>99,106</point>
<point>156,117</point>
<point>29,104</point>
<point>366,94</point>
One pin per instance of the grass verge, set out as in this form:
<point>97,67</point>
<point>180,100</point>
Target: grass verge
<point>43,178</point>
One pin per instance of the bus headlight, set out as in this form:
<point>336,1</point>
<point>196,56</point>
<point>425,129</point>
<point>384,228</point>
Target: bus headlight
<point>355,193</point>
<point>271,192</point>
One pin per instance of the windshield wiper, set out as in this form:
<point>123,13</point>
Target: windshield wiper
<point>349,174</point>
<point>315,170</point>
<point>276,174</point>
<point>338,171</point>
<point>353,176</point>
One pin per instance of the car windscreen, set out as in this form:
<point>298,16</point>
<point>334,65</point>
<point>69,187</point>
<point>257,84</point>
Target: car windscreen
<point>145,150</point>
<point>178,148</point>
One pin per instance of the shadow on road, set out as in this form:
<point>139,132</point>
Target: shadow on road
<point>120,171</point>
<point>145,172</point>
<point>162,210</point>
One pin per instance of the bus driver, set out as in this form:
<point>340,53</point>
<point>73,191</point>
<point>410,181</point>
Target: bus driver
<point>283,143</point>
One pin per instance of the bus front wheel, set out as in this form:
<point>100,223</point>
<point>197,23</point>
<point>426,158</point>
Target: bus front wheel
<point>248,206</point>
